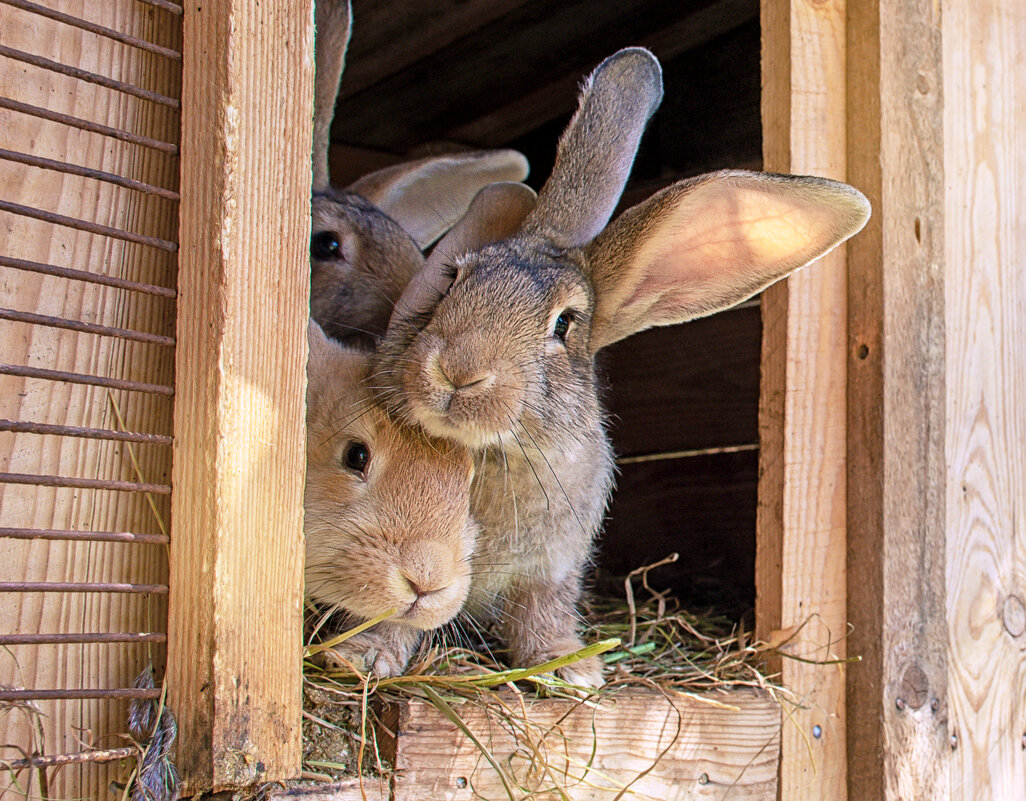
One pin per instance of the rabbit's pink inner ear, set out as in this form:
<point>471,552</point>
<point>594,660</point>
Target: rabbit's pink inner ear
<point>703,245</point>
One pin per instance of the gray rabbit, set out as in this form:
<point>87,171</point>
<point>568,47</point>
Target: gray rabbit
<point>493,345</point>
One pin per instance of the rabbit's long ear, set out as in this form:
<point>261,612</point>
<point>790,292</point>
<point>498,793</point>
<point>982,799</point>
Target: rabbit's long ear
<point>496,212</point>
<point>334,20</point>
<point>707,243</point>
<point>597,149</point>
<point>322,350</point>
<point>426,197</point>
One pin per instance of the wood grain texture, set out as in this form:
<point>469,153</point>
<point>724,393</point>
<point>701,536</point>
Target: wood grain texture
<point>800,570</point>
<point>68,724</point>
<point>236,571</point>
<point>708,751</point>
<point>896,419</point>
<point>984,47</point>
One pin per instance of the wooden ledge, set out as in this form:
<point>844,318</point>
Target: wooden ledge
<point>705,746</point>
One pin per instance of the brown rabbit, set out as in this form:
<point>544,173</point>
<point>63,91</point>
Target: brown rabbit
<point>387,513</point>
<point>366,240</point>
<point>504,361</point>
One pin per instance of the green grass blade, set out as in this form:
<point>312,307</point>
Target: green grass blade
<point>443,706</point>
<point>310,650</point>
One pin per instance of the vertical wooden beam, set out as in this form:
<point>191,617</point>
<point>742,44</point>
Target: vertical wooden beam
<point>235,624</point>
<point>896,377</point>
<point>984,48</point>
<point>800,570</point>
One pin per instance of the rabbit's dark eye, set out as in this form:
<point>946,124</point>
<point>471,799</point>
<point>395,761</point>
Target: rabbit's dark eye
<point>356,457</point>
<point>563,324</point>
<point>325,245</point>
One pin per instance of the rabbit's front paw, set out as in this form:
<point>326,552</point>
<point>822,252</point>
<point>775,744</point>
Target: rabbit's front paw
<point>586,673</point>
<point>384,656</point>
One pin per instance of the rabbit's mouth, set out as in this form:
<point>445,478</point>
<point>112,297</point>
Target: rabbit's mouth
<point>433,609</point>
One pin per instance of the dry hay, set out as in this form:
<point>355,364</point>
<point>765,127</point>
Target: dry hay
<point>644,635</point>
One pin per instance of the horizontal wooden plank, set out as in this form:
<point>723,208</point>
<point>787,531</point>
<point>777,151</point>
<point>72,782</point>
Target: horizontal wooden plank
<point>713,745</point>
<point>556,95</point>
<point>701,507</point>
<point>678,747</point>
<point>686,387</point>
<point>423,27</point>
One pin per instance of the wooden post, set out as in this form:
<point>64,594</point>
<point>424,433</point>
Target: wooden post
<point>235,623</point>
<point>896,404</point>
<point>800,571</point>
<point>984,47</point>
<point>937,401</point>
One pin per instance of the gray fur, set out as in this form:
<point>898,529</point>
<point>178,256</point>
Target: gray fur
<point>491,368</point>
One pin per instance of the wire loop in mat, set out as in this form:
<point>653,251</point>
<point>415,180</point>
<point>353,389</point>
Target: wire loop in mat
<point>85,225</point>
<point>89,77</point>
<point>86,276</point>
<point>82,378</point>
<point>85,328</point>
<point>88,125</point>
<point>75,482</point>
<point>92,27</point>
<point>89,536</point>
<point>87,172</point>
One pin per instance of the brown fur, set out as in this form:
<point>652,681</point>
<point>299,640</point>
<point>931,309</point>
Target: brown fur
<point>487,369</point>
<point>374,539</point>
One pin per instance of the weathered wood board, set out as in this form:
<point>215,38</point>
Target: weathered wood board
<point>800,564</point>
<point>234,630</point>
<point>641,743</point>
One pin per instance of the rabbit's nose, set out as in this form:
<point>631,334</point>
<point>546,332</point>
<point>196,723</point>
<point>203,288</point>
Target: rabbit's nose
<point>422,588</point>
<point>459,378</point>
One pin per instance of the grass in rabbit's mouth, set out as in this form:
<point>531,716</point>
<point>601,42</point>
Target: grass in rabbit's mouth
<point>643,635</point>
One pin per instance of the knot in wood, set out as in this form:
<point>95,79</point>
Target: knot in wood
<point>914,688</point>
<point>1013,615</point>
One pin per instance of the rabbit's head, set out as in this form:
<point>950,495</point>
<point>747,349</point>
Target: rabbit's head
<point>498,341</point>
<point>366,241</point>
<point>387,509</point>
